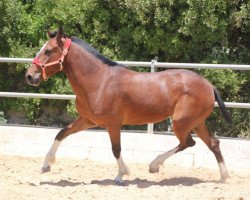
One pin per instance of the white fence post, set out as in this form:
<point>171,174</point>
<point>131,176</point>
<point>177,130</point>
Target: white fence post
<point>151,125</point>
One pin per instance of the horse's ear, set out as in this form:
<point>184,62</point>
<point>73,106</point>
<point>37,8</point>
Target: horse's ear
<point>49,33</point>
<point>60,33</point>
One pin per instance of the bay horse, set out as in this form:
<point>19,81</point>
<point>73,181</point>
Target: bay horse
<point>110,95</point>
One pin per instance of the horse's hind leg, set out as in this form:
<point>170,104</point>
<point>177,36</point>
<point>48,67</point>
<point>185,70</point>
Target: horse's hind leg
<point>78,125</point>
<point>213,144</point>
<point>186,141</point>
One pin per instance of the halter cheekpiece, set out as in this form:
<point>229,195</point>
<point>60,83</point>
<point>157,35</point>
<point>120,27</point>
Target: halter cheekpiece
<point>43,66</point>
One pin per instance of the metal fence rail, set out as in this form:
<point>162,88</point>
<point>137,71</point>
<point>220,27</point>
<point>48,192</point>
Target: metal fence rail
<point>185,65</point>
<point>73,97</point>
<point>156,64</point>
<point>37,95</point>
<point>16,60</point>
<point>153,65</point>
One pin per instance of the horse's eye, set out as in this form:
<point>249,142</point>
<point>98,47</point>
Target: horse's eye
<point>48,52</point>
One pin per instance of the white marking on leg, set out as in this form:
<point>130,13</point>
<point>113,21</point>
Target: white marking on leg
<point>159,160</point>
<point>50,156</point>
<point>53,150</point>
<point>223,171</point>
<point>122,170</point>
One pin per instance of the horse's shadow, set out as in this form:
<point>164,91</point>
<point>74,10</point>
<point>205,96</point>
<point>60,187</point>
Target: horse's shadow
<point>140,183</point>
<point>62,183</point>
<point>144,183</point>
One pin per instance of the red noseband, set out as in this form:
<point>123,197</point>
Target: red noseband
<point>38,63</point>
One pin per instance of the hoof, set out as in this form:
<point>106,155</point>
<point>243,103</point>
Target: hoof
<point>153,170</point>
<point>224,177</point>
<point>44,170</point>
<point>119,181</point>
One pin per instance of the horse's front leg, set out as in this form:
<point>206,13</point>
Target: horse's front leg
<point>115,137</point>
<point>78,125</point>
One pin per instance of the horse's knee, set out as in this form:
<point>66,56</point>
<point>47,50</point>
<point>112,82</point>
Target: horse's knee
<point>62,134</point>
<point>215,148</point>
<point>116,149</point>
<point>215,145</point>
<point>78,125</point>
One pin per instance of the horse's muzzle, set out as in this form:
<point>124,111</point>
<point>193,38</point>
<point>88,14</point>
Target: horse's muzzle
<point>33,80</point>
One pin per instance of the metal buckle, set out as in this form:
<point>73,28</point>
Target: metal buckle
<point>61,66</point>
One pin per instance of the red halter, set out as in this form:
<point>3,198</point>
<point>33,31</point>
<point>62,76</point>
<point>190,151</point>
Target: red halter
<point>38,63</point>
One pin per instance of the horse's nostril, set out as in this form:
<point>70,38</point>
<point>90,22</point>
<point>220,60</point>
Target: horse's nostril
<point>29,77</point>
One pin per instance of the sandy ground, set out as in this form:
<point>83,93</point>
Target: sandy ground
<point>85,179</point>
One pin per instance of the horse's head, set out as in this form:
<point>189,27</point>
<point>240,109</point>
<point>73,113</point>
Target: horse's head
<point>50,58</point>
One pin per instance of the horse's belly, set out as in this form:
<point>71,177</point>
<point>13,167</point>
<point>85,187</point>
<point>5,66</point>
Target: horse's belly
<point>140,120</point>
<point>139,116</point>
<point>142,107</point>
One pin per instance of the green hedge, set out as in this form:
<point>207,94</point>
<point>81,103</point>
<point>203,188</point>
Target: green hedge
<point>205,31</point>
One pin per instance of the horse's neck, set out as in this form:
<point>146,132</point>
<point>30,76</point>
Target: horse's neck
<point>84,72</point>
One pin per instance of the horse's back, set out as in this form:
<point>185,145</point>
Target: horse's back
<point>169,83</point>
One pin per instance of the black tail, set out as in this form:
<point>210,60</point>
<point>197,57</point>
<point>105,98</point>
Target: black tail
<point>222,107</point>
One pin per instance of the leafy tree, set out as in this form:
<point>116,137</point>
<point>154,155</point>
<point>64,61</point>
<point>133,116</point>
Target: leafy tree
<point>204,31</point>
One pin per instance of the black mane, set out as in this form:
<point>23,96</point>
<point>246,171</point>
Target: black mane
<point>90,49</point>
<point>93,51</point>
